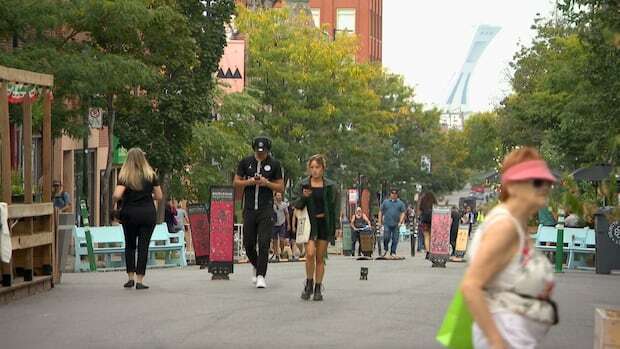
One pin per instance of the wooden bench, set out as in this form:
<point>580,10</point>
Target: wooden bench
<point>576,241</point>
<point>109,242</point>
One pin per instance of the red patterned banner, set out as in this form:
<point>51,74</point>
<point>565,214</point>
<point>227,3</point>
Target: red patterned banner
<point>440,231</point>
<point>199,222</point>
<point>222,225</point>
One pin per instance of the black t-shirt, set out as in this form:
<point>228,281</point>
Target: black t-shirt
<point>269,168</point>
<point>139,198</point>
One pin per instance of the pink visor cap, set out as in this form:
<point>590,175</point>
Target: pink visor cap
<point>528,170</point>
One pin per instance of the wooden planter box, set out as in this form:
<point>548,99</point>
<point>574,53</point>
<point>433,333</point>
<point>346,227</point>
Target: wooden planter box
<point>32,240</point>
<point>607,329</point>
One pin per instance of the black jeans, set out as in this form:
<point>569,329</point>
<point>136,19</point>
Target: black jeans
<point>257,228</point>
<point>355,238</point>
<point>142,233</point>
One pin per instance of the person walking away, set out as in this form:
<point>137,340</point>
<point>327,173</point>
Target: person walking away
<point>425,209</point>
<point>319,196</point>
<point>454,227</point>
<point>259,175</point>
<point>359,221</point>
<point>508,284</point>
<point>391,216</point>
<point>137,187</point>
<point>170,216</point>
<point>181,218</point>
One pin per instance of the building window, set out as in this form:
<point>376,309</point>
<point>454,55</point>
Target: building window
<point>345,20</point>
<point>316,16</point>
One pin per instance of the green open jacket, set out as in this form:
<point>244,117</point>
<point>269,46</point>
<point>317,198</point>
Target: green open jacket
<point>330,198</point>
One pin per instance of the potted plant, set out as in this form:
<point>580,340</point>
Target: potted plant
<point>17,187</point>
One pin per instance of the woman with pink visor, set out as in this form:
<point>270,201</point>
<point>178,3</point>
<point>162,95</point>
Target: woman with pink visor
<point>508,283</point>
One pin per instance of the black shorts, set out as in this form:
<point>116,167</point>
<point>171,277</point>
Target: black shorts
<point>321,232</point>
<point>279,231</point>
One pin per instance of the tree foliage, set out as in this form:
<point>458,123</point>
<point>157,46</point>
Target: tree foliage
<point>566,92</point>
<point>317,99</point>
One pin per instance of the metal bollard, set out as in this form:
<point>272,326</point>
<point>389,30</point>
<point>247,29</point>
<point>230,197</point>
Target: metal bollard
<point>559,247</point>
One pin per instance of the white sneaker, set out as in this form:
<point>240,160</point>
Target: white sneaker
<point>260,282</point>
<point>254,275</point>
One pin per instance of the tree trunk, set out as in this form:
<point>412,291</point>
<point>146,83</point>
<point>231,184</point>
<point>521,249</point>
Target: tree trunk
<point>161,205</point>
<point>105,191</point>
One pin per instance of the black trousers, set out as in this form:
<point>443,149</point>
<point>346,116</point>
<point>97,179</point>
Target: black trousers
<point>142,234</point>
<point>257,228</point>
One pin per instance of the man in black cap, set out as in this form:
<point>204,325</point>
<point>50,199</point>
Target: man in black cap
<point>260,175</point>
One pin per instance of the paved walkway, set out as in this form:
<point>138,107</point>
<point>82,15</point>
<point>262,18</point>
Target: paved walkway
<point>400,306</point>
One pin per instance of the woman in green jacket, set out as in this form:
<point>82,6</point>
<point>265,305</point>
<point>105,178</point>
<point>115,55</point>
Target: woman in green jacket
<point>318,195</point>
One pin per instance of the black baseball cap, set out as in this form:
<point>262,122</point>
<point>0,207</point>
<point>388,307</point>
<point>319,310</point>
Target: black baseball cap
<point>261,144</point>
<point>393,191</point>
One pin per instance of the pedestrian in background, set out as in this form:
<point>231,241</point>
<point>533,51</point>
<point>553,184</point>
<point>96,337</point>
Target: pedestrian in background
<point>181,218</point>
<point>425,210</point>
<point>170,213</point>
<point>62,199</point>
<point>391,216</point>
<point>509,282</point>
<point>280,234</point>
<point>137,187</point>
<point>454,227</point>
<point>319,196</point>
<point>359,221</point>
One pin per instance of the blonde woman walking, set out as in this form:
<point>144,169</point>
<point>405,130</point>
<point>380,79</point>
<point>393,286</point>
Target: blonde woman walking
<point>135,193</point>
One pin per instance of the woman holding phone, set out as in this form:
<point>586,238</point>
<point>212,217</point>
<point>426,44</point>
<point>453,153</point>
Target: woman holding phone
<point>317,194</point>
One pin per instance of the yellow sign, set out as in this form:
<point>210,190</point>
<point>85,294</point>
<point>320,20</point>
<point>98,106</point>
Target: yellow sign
<point>461,239</point>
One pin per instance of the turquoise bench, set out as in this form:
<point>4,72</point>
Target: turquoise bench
<point>109,242</point>
<point>404,233</point>
<point>577,241</point>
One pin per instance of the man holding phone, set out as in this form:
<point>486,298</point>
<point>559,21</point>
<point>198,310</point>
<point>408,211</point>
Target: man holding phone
<point>260,175</point>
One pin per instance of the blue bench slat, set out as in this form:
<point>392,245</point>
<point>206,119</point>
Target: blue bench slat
<point>160,242</point>
<point>576,240</point>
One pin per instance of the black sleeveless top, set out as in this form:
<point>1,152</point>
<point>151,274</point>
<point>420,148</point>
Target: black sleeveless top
<point>359,222</point>
<point>319,203</point>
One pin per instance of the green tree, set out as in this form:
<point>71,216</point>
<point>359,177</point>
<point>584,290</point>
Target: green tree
<point>316,97</point>
<point>148,63</point>
<point>218,145</point>
<point>162,120</point>
<point>565,98</point>
<point>482,141</point>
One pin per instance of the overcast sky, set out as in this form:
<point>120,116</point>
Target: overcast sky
<point>427,41</point>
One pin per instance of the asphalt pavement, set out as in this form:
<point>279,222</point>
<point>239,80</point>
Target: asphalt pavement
<point>401,305</point>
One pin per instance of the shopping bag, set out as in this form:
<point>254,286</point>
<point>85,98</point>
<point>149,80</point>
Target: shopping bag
<point>455,331</point>
<point>303,225</point>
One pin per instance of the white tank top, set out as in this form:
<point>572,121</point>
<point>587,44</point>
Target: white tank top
<point>528,273</point>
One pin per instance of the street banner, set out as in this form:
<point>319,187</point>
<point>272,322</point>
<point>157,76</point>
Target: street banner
<point>461,240</point>
<point>222,233</point>
<point>440,236</point>
<point>199,224</point>
<point>353,195</point>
